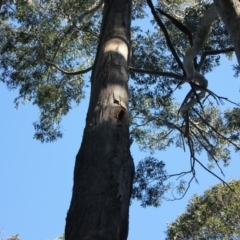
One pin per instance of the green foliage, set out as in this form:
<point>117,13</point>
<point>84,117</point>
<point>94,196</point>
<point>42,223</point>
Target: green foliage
<point>214,215</point>
<point>148,183</point>
<point>46,44</point>
<point>62,237</point>
<point>35,36</point>
<point>15,237</point>
<point>156,123</point>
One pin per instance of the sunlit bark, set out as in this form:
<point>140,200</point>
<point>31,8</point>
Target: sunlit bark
<point>104,167</point>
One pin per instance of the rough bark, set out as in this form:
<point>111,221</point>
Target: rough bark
<point>229,11</point>
<point>104,167</point>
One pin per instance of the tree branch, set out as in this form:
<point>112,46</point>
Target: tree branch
<point>197,80</point>
<point>169,43</point>
<point>212,52</point>
<point>182,28</point>
<point>199,40</point>
<point>215,175</point>
<point>157,73</point>
<point>69,73</point>
<point>179,25</point>
<point>192,98</point>
<point>205,147</point>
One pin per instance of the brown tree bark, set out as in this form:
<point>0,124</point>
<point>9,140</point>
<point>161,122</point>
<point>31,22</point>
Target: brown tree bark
<point>104,167</point>
<point>229,11</point>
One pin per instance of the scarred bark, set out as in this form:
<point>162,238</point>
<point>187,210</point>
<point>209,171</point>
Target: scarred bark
<point>104,167</point>
<point>229,11</point>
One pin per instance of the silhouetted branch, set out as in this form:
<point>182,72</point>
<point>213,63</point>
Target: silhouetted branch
<point>185,191</point>
<point>61,41</point>
<point>169,43</point>
<point>212,52</point>
<point>220,98</point>
<point>69,73</point>
<point>199,39</point>
<point>157,73</point>
<point>179,25</point>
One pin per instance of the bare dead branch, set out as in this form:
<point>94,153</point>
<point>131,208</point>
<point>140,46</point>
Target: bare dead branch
<point>185,191</point>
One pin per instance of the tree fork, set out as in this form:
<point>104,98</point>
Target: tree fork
<point>104,167</point>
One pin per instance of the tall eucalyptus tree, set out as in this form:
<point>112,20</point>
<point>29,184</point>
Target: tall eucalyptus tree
<point>46,48</point>
<point>104,169</point>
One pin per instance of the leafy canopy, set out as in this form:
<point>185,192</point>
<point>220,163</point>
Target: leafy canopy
<point>214,215</point>
<point>48,46</point>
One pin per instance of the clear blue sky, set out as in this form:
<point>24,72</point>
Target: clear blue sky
<point>36,179</point>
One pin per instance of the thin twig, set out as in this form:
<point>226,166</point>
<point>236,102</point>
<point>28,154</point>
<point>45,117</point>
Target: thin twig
<point>215,175</point>
<point>209,152</point>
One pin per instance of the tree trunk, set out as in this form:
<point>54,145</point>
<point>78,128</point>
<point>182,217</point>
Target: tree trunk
<point>104,167</point>
<point>229,11</point>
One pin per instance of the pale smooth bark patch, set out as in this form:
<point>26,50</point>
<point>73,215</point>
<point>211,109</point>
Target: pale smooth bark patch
<point>117,45</point>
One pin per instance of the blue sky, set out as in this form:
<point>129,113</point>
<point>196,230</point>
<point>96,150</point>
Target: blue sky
<point>36,179</point>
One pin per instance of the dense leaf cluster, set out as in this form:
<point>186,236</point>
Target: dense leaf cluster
<point>214,215</point>
<point>35,38</point>
<point>155,103</point>
<point>47,46</point>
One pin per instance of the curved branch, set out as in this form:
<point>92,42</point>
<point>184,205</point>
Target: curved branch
<point>169,43</point>
<point>195,78</point>
<point>157,73</point>
<point>192,98</point>
<point>212,52</point>
<point>69,73</point>
<point>185,191</point>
